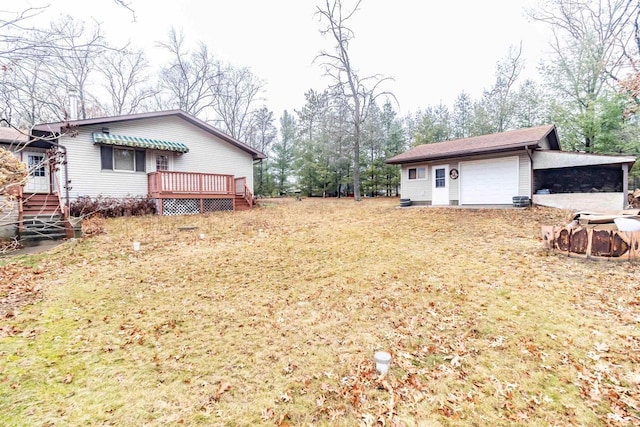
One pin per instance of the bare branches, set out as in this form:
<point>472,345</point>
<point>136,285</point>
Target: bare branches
<point>42,64</point>
<point>610,25</point>
<point>126,81</point>
<point>127,5</point>
<point>17,39</point>
<point>236,90</point>
<point>186,78</point>
<point>357,93</point>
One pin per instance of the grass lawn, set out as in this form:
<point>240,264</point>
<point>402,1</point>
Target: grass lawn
<point>273,318</point>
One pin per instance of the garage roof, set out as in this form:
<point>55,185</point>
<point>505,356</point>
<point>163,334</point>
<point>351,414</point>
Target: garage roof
<point>494,143</point>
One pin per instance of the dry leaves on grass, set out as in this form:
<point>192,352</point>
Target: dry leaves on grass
<point>290,302</point>
<point>19,285</point>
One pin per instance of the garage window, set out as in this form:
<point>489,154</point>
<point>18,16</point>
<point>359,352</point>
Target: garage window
<point>417,173</point>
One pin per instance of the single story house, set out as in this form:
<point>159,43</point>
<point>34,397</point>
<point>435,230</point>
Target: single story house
<point>184,163</point>
<point>181,162</point>
<point>492,169</point>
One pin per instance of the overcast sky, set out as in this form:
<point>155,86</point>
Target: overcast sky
<point>433,50</point>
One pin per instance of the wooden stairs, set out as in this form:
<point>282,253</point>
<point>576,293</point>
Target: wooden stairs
<point>241,204</point>
<point>41,218</point>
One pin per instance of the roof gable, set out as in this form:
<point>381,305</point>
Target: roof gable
<point>59,127</point>
<point>484,144</point>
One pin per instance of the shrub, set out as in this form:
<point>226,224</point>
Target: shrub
<point>93,226</point>
<point>111,207</point>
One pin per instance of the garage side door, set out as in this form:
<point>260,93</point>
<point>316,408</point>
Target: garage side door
<point>489,182</point>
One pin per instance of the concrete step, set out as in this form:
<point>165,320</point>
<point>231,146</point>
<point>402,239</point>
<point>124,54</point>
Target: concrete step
<point>43,227</point>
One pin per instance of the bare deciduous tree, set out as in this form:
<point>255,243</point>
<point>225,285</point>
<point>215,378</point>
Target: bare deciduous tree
<point>127,5</point>
<point>236,92</point>
<point>186,79</point>
<point>357,92</point>
<point>126,81</point>
<point>499,100</point>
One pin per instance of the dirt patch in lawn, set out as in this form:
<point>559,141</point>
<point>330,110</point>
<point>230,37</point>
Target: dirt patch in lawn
<point>272,316</point>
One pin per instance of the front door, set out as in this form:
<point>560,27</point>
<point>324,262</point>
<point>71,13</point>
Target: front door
<point>38,180</point>
<point>440,185</point>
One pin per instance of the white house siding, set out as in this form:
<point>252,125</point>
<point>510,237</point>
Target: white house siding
<point>418,190</point>
<point>207,154</point>
<point>454,184</point>
<point>565,159</point>
<point>524,179</point>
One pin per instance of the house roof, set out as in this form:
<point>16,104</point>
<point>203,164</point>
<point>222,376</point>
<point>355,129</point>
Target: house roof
<point>58,127</point>
<point>12,136</point>
<point>485,144</point>
<point>547,159</point>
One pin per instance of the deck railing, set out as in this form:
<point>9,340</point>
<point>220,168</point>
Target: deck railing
<point>164,183</point>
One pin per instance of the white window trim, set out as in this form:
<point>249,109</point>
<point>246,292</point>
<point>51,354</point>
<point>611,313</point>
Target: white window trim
<point>133,152</point>
<point>125,171</point>
<point>426,175</point>
<point>169,155</point>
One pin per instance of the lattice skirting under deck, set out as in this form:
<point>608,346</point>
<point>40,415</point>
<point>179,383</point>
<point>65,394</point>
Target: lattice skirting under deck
<point>192,206</point>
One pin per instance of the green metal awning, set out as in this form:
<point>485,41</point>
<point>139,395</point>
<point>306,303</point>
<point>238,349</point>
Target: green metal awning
<point>138,142</point>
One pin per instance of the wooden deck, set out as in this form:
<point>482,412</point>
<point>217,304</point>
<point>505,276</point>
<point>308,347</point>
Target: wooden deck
<point>204,188</point>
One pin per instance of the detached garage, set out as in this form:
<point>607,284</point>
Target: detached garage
<point>493,169</point>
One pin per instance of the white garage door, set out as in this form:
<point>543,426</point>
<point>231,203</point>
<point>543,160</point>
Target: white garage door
<point>489,182</point>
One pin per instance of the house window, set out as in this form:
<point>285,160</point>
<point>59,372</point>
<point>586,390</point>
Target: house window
<point>36,165</point>
<point>122,159</point>
<point>440,178</point>
<point>417,173</point>
<point>162,162</point>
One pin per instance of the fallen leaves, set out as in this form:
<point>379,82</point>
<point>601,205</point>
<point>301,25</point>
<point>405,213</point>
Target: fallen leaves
<point>68,379</point>
<point>280,325</point>
<point>222,388</point>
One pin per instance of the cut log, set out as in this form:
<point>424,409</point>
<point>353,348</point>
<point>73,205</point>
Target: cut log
<point>593,242</point>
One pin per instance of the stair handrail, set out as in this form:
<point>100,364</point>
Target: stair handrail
<point>248,196</point>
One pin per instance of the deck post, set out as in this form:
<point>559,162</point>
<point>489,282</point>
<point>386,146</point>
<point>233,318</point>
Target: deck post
<point>625,185</point>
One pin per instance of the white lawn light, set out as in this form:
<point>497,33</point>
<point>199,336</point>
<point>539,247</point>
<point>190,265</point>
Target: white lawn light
<point>136,246</point>
<point>202,236</point>
<point>383,360</point>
